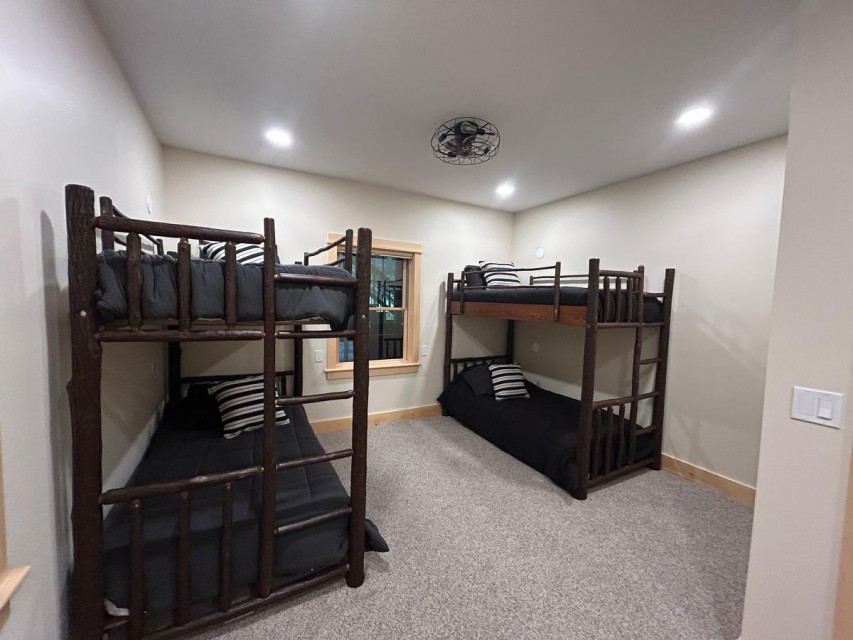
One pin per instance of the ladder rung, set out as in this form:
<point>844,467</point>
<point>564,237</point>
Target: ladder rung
<point>641,431</point>
<point>304,335</point>
<point>651,361</point>
<point>173,335</point>
<point>628,325</point>
<point>299,278</point>
<point>304,462</point>
<point>320,397</point>
<point>614,402</point>
<point>290,527</point>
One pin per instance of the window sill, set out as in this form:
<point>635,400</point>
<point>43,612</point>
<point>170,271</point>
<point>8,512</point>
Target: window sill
<point>376,369</point>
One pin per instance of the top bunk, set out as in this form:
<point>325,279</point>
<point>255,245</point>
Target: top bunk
<point>598,298</point>
<point>217,285</point>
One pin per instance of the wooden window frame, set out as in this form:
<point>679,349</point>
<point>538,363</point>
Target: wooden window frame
<point>10,578</point>
<point>411,362</point>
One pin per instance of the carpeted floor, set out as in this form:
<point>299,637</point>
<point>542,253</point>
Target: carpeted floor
<point>484,547</point>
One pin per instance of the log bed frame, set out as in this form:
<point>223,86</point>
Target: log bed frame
<point>88,618</point>
<point>592,445</point>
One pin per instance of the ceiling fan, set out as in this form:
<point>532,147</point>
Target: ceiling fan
<point>466,140</point>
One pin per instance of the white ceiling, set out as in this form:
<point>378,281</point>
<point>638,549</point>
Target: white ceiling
<point>584,92</point>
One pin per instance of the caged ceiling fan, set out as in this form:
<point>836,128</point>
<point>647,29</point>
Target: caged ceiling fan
<point>466,141</point>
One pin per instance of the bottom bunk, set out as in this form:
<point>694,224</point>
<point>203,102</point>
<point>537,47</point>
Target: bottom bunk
<point>189,442</point>
<point>540,431</point>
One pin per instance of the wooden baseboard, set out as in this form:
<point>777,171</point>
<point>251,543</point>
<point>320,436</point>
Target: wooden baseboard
<point>340,424</point>
<point>730,488</point>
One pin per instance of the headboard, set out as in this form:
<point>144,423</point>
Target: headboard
<point>457,365</point>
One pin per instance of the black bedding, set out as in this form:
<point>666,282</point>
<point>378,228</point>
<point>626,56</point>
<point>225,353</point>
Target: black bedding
<point>177,452</point>
<point>571,296</point>
<point>332,305</point>
<point>541,431</point>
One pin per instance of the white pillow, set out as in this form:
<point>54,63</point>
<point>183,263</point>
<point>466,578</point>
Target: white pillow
<point>505,279</point>
<point>241,405</point>
<point>508,381</point>
<point>246,253</point>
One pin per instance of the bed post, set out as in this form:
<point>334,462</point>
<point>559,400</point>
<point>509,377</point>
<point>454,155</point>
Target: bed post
<point>448,334</point>
<point>298,362</point>
<point>361,382</point>
<point>266,535</point>
<point>174,371</point>
<point>84,394</point>
<point>588,388</point>
<point>510,341</point>
<point>107,237</point>
<point>660,372</point>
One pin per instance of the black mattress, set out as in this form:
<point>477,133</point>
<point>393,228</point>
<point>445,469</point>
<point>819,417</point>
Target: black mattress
<point>177,452</point>
<point>540,431</point>
<point>332,305</point>
<point>571,296</point>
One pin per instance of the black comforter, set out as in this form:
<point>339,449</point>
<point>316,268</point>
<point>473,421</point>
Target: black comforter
<point>540,431</point>
<point>571,296</point>
<point>332,305</point>
<point>176,452</point>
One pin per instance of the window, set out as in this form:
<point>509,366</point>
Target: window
<point>394,316</point>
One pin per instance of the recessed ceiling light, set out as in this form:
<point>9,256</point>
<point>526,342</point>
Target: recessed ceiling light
<point>694,116</point>
<point>279,137</point>
<point>505,190</point>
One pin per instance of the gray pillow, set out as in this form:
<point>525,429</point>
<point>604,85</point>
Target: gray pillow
<point>479,378</point>
<point>474,276</point>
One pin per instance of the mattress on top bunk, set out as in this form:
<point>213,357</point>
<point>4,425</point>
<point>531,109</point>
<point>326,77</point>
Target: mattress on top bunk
<point>540,431</point>
<point>330,304</point>
<point>176,452</point>
<point>570,296</point>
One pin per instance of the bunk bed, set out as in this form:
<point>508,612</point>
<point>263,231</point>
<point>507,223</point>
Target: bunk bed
<point>209,527</point>
<point>576,443</point>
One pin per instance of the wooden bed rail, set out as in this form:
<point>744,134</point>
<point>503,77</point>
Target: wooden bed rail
<point>136,494</point>
<point>459,365</point>
<point>171,230</point>
<point>108,238</point>
<point>346,260</point>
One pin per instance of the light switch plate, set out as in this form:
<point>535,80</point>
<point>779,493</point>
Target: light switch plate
<point>817,406</point>
<point>318,355</point>
<point>424,349</point>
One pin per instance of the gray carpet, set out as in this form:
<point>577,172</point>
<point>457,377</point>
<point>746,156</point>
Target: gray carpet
<point>484,547</point>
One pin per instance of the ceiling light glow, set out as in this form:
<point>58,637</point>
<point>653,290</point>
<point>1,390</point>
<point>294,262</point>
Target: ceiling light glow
<point>505,190</point>
<point>694,116</point>
<point>279,137</point>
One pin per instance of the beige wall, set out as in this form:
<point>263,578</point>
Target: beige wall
<point>67,116</point>
<point>803,468</point>
<point>213,191</point>
<point>716,222</point>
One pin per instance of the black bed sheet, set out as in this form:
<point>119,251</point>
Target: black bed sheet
<point>541,431</point>
<point>570,296</point>
<point>332,305</point>
<point>177,453</point>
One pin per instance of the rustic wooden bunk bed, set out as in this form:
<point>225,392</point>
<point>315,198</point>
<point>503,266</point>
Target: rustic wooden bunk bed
<point>253,305</point>
<point>605,433</point>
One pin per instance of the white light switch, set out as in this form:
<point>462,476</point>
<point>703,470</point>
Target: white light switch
<point>318,355</point>
<point>424,349</point>
<point>819,407</point>
<point>824,408</point>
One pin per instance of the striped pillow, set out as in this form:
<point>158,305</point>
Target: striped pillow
<point>508,381</point>
<point>246,253</point>
<point>241,405</point>
<point>505,279</point>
